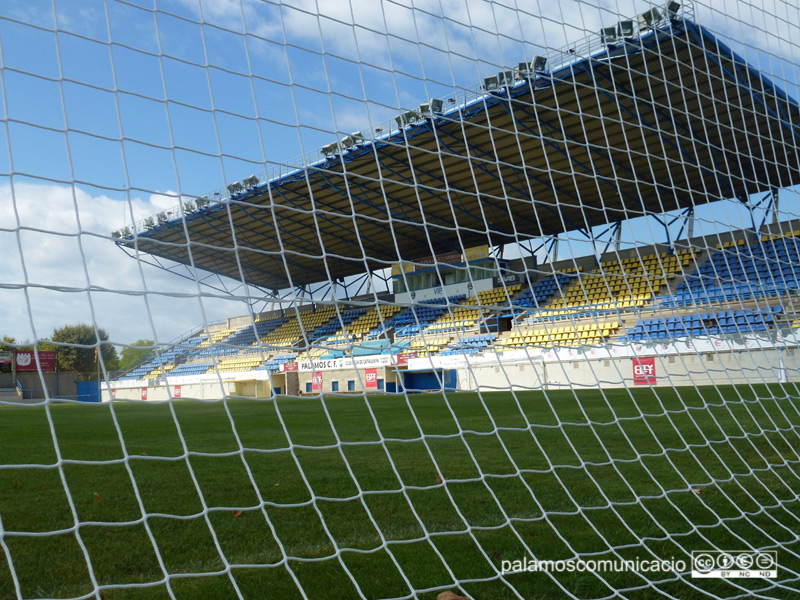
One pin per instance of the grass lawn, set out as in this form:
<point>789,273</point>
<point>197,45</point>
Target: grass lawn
<point>395,497</point>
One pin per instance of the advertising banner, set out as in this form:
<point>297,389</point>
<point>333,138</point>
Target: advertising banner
<point>316,381</point>
<point>371,378</point>
<point>26,361</point>
<point>644,370</point>
<point>358,362</point>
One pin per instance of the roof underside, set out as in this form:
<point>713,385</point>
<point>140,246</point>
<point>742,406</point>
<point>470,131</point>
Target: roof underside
<point>669,121</point>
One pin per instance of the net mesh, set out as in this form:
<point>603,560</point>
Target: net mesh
<point>533,336</point>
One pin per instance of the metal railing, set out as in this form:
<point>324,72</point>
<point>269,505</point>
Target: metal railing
<point>557,58</point>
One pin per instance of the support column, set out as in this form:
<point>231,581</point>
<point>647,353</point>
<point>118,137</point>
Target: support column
<point>775,205</point>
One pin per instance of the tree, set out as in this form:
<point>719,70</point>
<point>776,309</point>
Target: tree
<point>8,342</point>
<point>80,355</point>
<point>134,353</point>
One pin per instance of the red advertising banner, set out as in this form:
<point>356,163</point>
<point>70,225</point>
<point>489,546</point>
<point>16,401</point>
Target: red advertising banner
<point>371,378</point>
<point>644,371</point>
<point>402,359</point>
<point>176,391</point>
<point>26,361</point>
<point>144,394</point>
<point>449,258</point>
<point>113,394</point>
<point>316,381</point>
<point>288,367</point>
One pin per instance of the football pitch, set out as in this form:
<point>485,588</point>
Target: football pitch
<point>400,495</point>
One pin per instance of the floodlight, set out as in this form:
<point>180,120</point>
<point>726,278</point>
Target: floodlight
<point>672,9</point>
<point>250,182</point>
<point>522,70</point>
<point>608,35</point>
<point>424,110</point>
<point>202,202</point>
<point>352,140</point>
<point>235,188</point>
<point>490,83</point>
<point>116,235</point>
<point>647,19</point>
<point>162,217</point>
<point>126,231</point>
<point>330,150</point>
<point>188,206</point>
<point>626,29</point>
<point>149,222</point>
<point>505,78</point>
<point>539,64</point>
<point>436,105</point>
<point>406,118</point>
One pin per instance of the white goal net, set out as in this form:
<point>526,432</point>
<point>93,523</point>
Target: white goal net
<point>399,299</point>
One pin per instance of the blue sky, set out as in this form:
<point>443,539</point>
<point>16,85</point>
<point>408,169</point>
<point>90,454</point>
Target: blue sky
<point>112,111</point>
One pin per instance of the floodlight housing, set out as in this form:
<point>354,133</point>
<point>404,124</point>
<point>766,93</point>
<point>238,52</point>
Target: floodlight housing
<point>406,118</point>
<point>235,188</point>
<point>116,234</point>
<point>539,64</point>
<point>149,222</point>
<point>625,29</point>
<point>490,83</point>
<point>330,150</point>
<point>436,105</point>
<point>250,182</point>
<point>608,35</point>
<point>505,78</point>
<point>646,19</point>
<point>672,9</point>
<point>188,206</point>
<point>522,70</point>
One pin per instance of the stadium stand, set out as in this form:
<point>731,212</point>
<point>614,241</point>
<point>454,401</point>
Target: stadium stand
<point>470,345</point>
<point>587,334</point>
<point>564,307</point>
<point>413,320</point>
<point>541,292</point>
<point>623,284</point>
<point>464,316</point>
<point>706,323</point>
<point>767,267</point>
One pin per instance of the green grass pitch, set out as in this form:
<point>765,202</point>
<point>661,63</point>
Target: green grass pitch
<point>643,473</point>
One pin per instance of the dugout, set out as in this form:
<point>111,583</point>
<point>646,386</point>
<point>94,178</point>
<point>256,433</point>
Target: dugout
<point>433,380</point>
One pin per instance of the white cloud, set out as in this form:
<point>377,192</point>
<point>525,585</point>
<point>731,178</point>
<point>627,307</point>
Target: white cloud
<point>51,263</point>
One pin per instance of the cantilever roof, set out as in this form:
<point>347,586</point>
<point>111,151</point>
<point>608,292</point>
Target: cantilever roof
<point>671,120</point>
